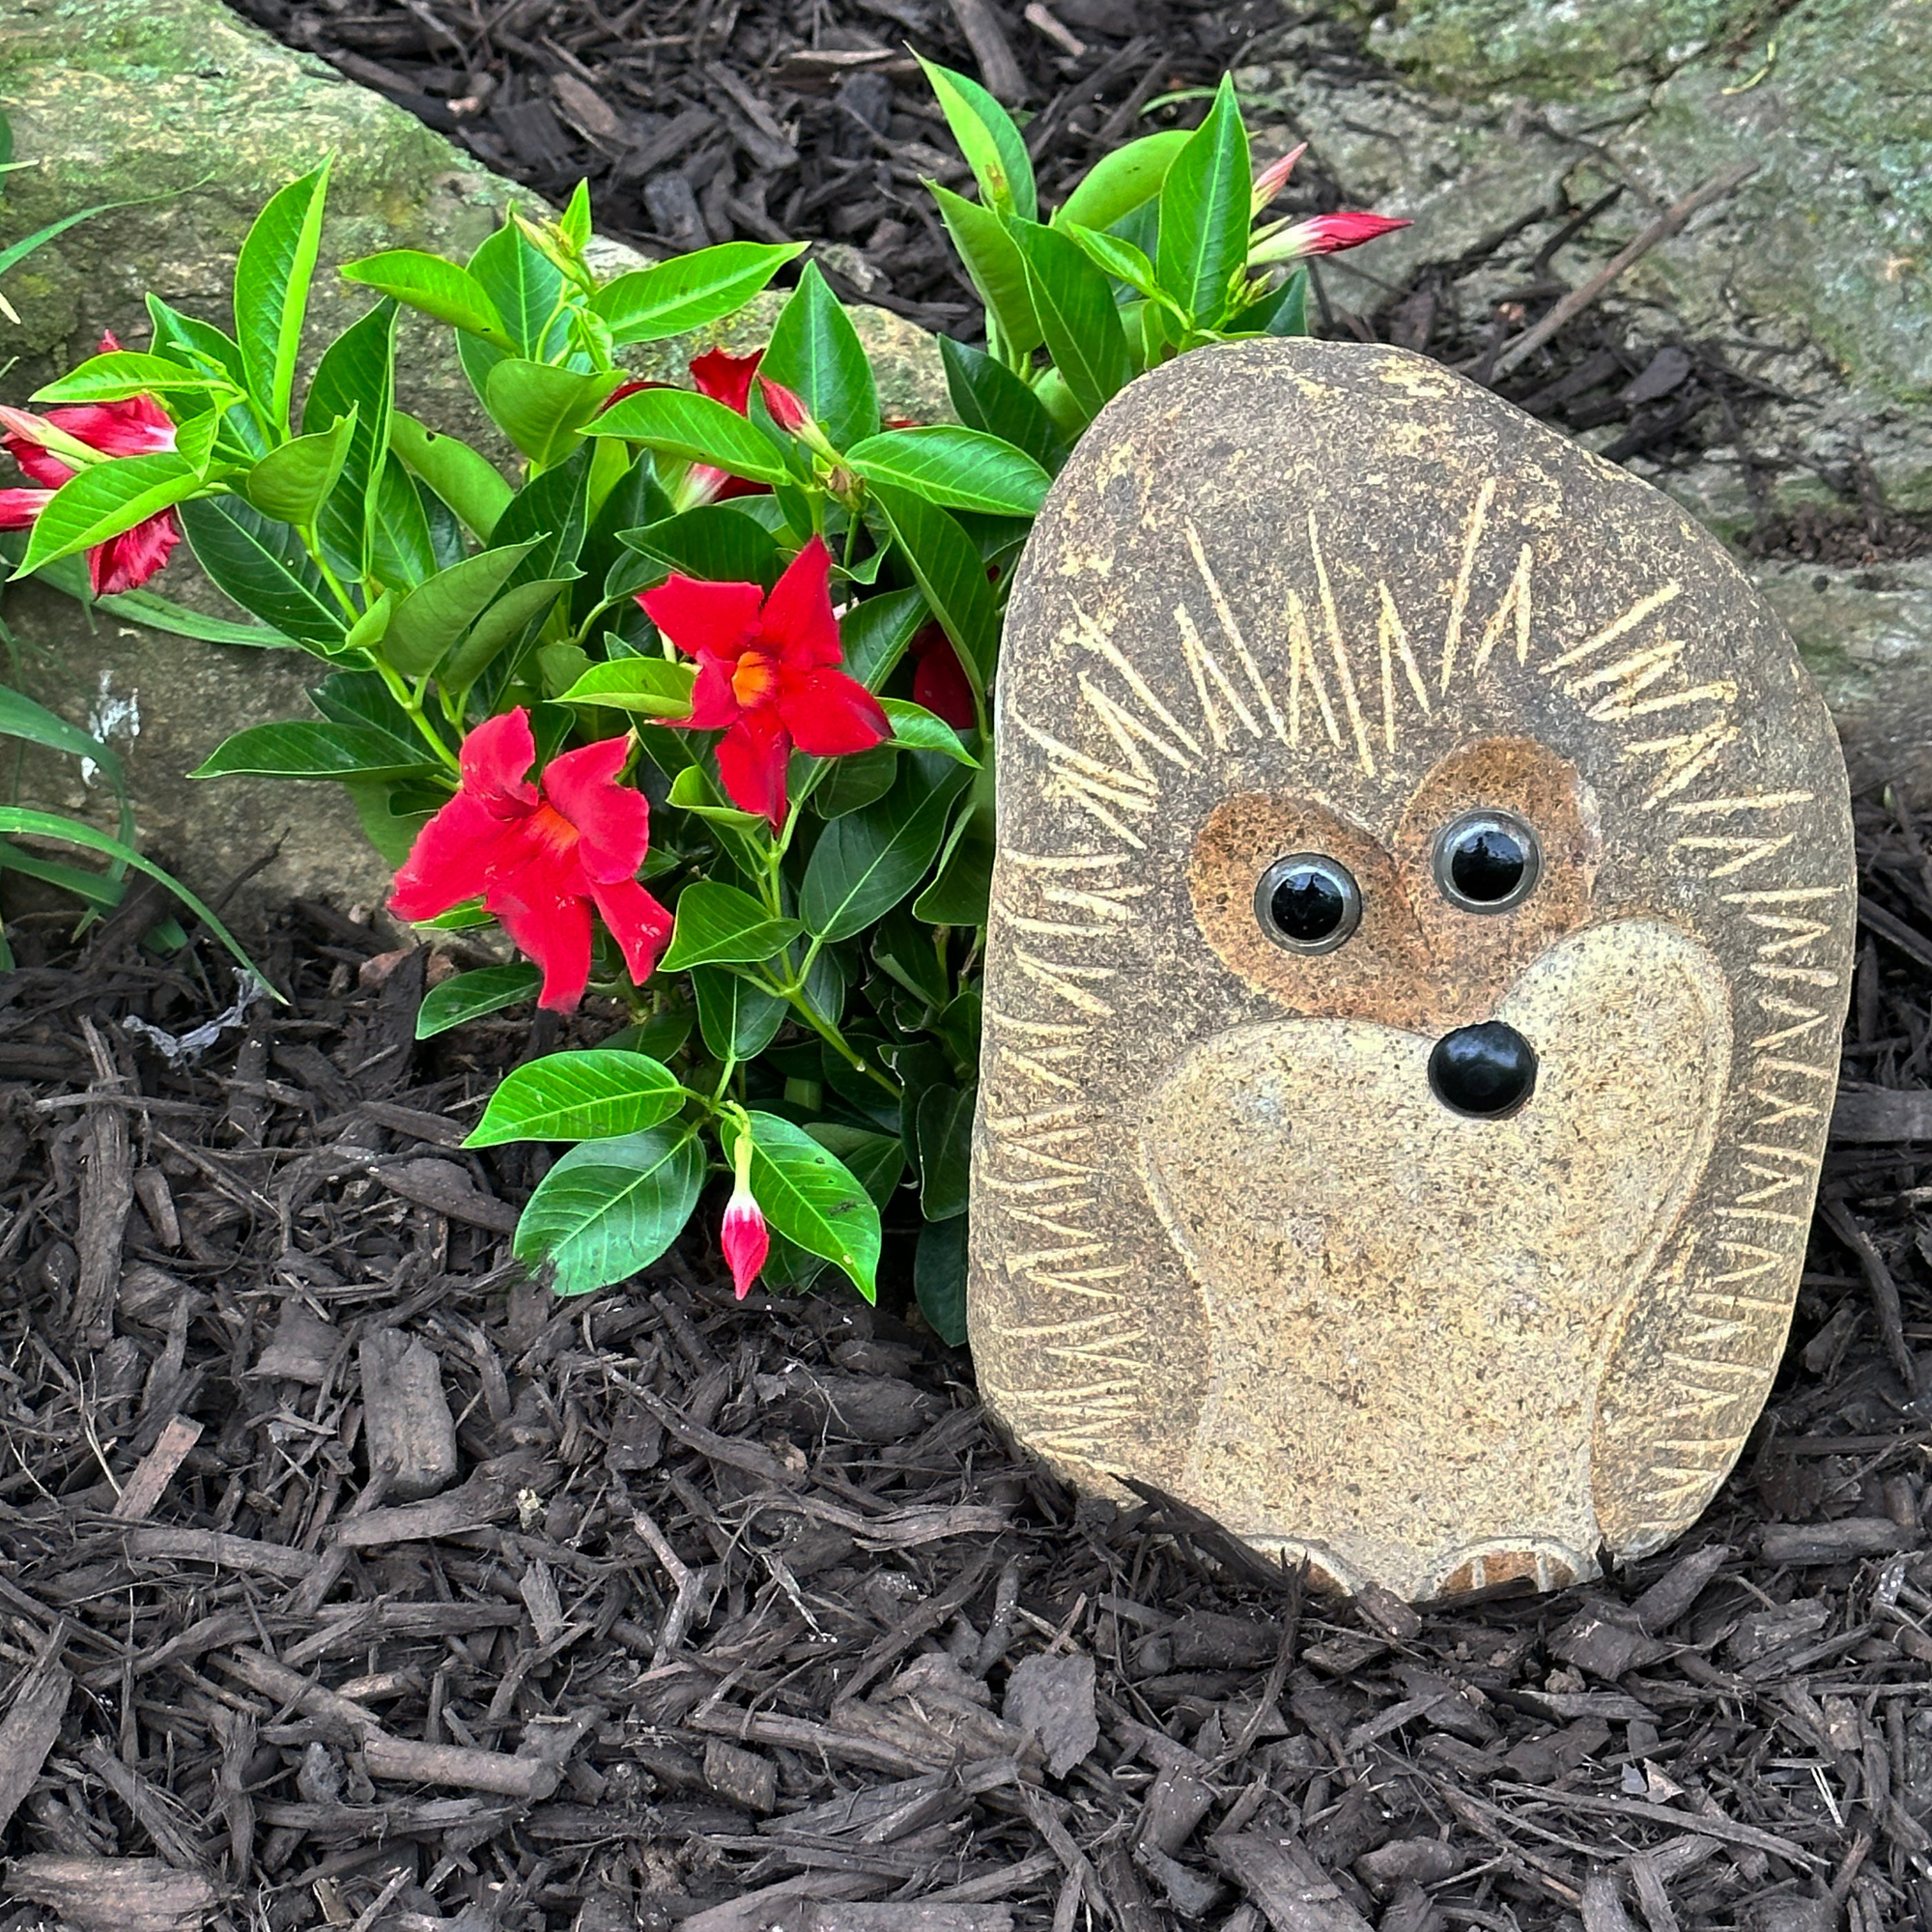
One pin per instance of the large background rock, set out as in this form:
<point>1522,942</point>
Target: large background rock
<point>181,105</point>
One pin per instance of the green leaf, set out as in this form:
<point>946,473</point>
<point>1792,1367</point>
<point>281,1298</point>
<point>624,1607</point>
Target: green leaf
<point>541,408</point>
<point>815,352</point>
<point>960,468</point>
<point>874,633</point>
<point>356,373</point>
<point>1077,317</point>
<point>609,1208</point>
<point>714,541</point>
<point>300,749</point>
<point>812,1198</point>
<point>680,423</point>
<point>994,147</point>
<point>852,783</point>
<point>986,395</point>
<point>430,618</point>
<point>654,687</point>
<point>950,574</point>
<point>875,1160</point>
<point>737,1019</point>
<point>526,286</point>
<point>103,501</point>
<point>402,548</point>
<point>962,883</point>
<point>689,290</point>
<point>469,996</point>
<point>1118,182</point>
<point>939,1278</point>
<point>291,483</point>
<point>507,620</point>
<point>21,718</point>
<point>162,613</point>
<point>1116,258</point>
<point>719,925</point>
<point>263,566</point>
<point>30,824</point>
<point>466,481</point>
<point>272,282</point>
<point>995,266</point>
<point>1285,311</point>
<point>916,729</point>
<point>944,1149</point>
<point>195,345</point>
<point>865,864</point>
<point>578,1097</point>
<point>1205,212</point>
<point>121,373</point>
<point>435,286</point>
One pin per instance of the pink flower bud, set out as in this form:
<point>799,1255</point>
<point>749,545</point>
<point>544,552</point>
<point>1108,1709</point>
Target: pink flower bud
<point>1321,235</point>
<point>788,410</point>
<point>1273,178</point>
<point>745,1239</point>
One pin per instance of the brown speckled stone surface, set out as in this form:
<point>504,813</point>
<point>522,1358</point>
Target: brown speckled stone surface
<point>1298,597</point>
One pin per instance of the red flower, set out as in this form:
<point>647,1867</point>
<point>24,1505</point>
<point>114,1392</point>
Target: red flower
<point>726,379</point>
<point>136,427</point>
<point>765,676</point>
<point>539,859</point>
<point>937,680</point>
<point>744,1236</point>
<point>1322,235</point>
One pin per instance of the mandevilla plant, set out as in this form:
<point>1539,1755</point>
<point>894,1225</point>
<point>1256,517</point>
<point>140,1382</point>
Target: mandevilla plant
<point>697,709</point>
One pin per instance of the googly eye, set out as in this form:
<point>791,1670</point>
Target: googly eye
<point>1487,862</point>
<point>1308,902</point>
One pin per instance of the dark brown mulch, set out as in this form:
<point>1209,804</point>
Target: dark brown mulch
<point>347,1578</point>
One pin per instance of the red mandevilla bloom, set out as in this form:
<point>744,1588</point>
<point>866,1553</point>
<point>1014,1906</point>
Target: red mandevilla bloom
<point>540,858</point>
<point>1322,235</point>
<point>937,682</point>
<point>765,675</point>
<point>744,1236</point>
<point>136,427</point>
<point>726,379</point>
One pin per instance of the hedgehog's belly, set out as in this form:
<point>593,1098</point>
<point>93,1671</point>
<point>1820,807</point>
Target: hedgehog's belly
<point>1409,1309</point>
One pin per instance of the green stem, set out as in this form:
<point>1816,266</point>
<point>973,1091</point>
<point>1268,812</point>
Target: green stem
<point>412,703</point>
<point>312,543</point>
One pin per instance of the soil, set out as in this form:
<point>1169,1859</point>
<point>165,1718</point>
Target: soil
<point>347,1577</point>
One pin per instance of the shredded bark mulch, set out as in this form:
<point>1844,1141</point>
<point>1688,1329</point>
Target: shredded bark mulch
<point>347,1578</point>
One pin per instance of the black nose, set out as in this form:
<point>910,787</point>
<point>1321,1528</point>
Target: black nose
<point>1485,1070</point>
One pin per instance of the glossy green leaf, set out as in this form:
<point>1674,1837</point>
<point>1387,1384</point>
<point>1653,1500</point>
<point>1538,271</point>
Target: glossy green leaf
<point>865,864</point>
<point>103,501</point>
<point>468,483</point>
<point>689,290</point>
<point>939,1278</point>
<point>948,570</point>
<point>994,147</point>
<point>1285,312</point>
<point>986,395</point>
<point>1121,182</point>
<point>994,266</point>
<point>271,283</point>
<point>302,749</point>
<point>875,1161</point>
<point>402,547</point>
<point>34,723</point>
<point>356,373</point>
<point>962,882</point>
<point>1205,212</point>
<point>682,423</point>
<point>540,408</point>
<point>523,284</point>
<point>719,925</point>
<point>435,286</point>
<point>1077,317</point>
<point>816,353</point>
<point>595,1095</point>
<point>291,482</point>
<point>653,686</point>
<point>714,541</point>
<point>853,783</point>
<point>916,729</point>
<point>737,1019</point>
<point>811,1197</point>
<point>26,823</point>
<point>121,373</point>
<point>958,468</point>
<point>1114,257</point>
<point>612,1207</point>
<point>507,620</point>
<point>430,618</point>
<point>944,1149</point>
<point>263,566</point>
<point>470,995</point>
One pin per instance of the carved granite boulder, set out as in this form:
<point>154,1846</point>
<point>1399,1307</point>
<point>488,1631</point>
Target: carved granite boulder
<point>1421,932</point>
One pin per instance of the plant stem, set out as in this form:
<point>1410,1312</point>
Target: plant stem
<point>412,703</point>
